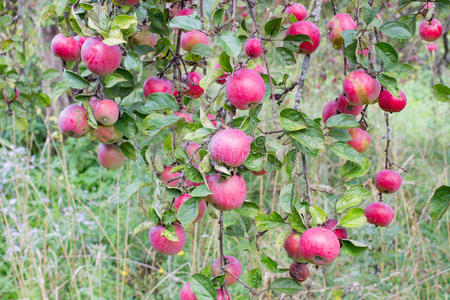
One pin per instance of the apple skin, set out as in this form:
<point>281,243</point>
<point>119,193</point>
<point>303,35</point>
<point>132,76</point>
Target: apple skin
<point>296,9</point>
<point>183,198</point>
<point>361,88</point>
<point>379,213</point>
<point>191,38</point>
<point>73,121</point>
<point>222,79</point>
<point>145,37</point>
<point>430,30</point>
<point>126,2</point>
<point>162,244</point>
<point>329,110</point>
<point>107,134</point>
<point>299,271</point>
<point>166,177</point>
<point>336,25</point>
<point>80,40</point>
<point>230,147</point>
<point>65,47</point>
<point>100,58</point>
<point>344,107</point>
<point>340,232</point>
<point>106,112</point>
<point>388,181</point>
<point>227,194</point>
<point>223,296</point>
<point>432,47</point>
<point>213,119</point>
<point>319,246</point>
<point>390,103</point>
<point>309,29</point>
<point>185,115</point>
<point>232,265</point>
<point>157,85</point>
<point>253,48</point>
<point>110,156</point>
<point>191,149</point>
<point>292,247</point>
<point>195,90</point>
<point>186,293</point>
<point>185,12</point>
<point>245,88</point>
<point>360,139</point>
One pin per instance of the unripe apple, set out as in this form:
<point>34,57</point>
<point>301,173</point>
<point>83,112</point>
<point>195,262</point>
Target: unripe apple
<point>299,271</point>
<point>100,58</point>
<point>107,134</point>
<point>296,9</point>
<point>106,112</point>
<point>145,37</point>
<point>221,295</point>
<point>126,2</point>
<point>292,247</point>
<point>222,79</point>
<point>80,40</point>
<point>110,156</point>
<point>157,85</point>
<point>360,139</point>
<point>344,107</point>
<point>167,176</point>
<point>73,121</point>
<point>391,103</point>
<point>65,47</point>
<point>388,181</point>
<point>319,245</point>
<point>195,90</point>
<point>164,245</point>
<point>245,88</point>
<point>336,25</point>
<point>183,198</point>
<point>232,265</point>
<point>329,110</point>
<point>340,232</point>
<point>379,213</point>
<point>227,194</point>
<point>191,38</point>
<point>230,147</point>
<point>186,293</point>
<point>361,88</point>
<point>253,48</point>
<point>432,47</point>
<point>309,29</point>
<point>430,30</point>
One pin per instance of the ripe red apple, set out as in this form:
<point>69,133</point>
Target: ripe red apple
<point>213,119</point>
<point>221,295</point>
<point>430,30</point>
<point>432,47</point>
<point>296,9</point>
<point>232,265</point>
<point>379,213</point>
<point>319,245</point>
<point>65,47</point>
<point>391,103</point>
<point>309,29</point>
<point>360,139</point>
<point>361,88</point>
<point>299,272</point>
<point>222,79</point>
<point>100,58</point>
<point>107,134</point>
<point>292,247</point>
<point>73,121</point>
<point>164,245</point>
<point>191,149</point>
<point>186,293</point>
<point>253,48</point>
<point>191,38</point>
<point>167,176</point>
<point>110,156</point>
<point>106,112</point>
<point>340,232</point>
<point>80,40</point>
<point>230,147</point>
<point>260,69</point>
<point>329,110</point>
<point>183,198</point>
<point>157,85</point>
<point>195,90</point>
<point>185,115</point>
<point>336,25</point>
<point>227,194</point>
<point>245,88</point>
<point>388,181</point>
<point>344,107</point>
<point>185,12</point>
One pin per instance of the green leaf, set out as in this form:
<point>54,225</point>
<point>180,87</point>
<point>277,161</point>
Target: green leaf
<point>188,23</point>
<point>386,53</point>
<point>339,134</point>
<point>146,225</point>
<point>218,16</point>
<point>298,38</point>
<point>74,80</point>
<point>441,92</point>
<point>352,197</point>
<point>285,56</point>
<point>126,24</point>
<point>157,102</point>
<point>230,43</point>
<point>128,150</point>
<point>353,218</point>
<point>273,26</point>
<point>132,62</point>
<point>267,222</point>
<point>44,99</point>
<point>47,12</point>
<point>156,122</point>
<point>439,202</point>
<point>248,209</point>
<point>354,247</point>
<point>287,196</point>
<point>169,233</point>
<point>127,125</point>
<point>396,29</point>
<point>388,82</point>
<point>342,121</point>
<point>198,135</point>
<point>368,14</point>
<point>270,264</point>
<point>193,174</point>
<point>209,79</point>
<point>285,285</point>
<point>202,287</point>
<point>200,191</point>
<point>310,138</point>
<point>317,214</point>
<point>188,211</point>
<point>112,79</point>
<point>153,215</point>
<point>349,37</point>
<point>60,88</point>
<point>201,50</point>
<point>224,61</point>
<point>292,120</point>
<point>254,278</point>
<point>255,161</point>
<point>345,151</point>
<point>234,230</point>
<point>352,169</point>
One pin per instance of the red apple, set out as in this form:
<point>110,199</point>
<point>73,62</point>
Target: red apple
<point>296,9</point>
<point>329,110</point>
<point>222,79</point>
<point>110,156</point>
<point>107,134</point>
<point>360,139</point>
<point>309,29</point>
<point>232,265</point>
<point>73,121</point>
<point>213,119</point>
<point>191,38</point>
<point>183,198</point>
<point>253,48</point>
<point>340,232</point>
<point>100,58</point>
<point>299,271</point>
<point>430,30</point>
<point>106,112</point>
<point>185,12</point>
<point>65,47</point>
<point>191,149</point>
<point>361,88</point>
<point>221,295</point>
<point>164,245</point>
<point>432,47</point>
<point>157,85</point>
<point>185,115</point>
<point>388,181</point>
<point>344,107</point>
<point>379,213</point>
<point>336,25</point>
<point>145,37</point>
<point>245,88</point>
<point>186,293</point>
<point>292,247</point>
<point>319,245</point>
<point>227,194</point>
<point>195,90</point>
<point>168,177</point>
<point>391,103</point>
<point>230,147</point>
<point>260,69</point>
<point>80,40</point>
